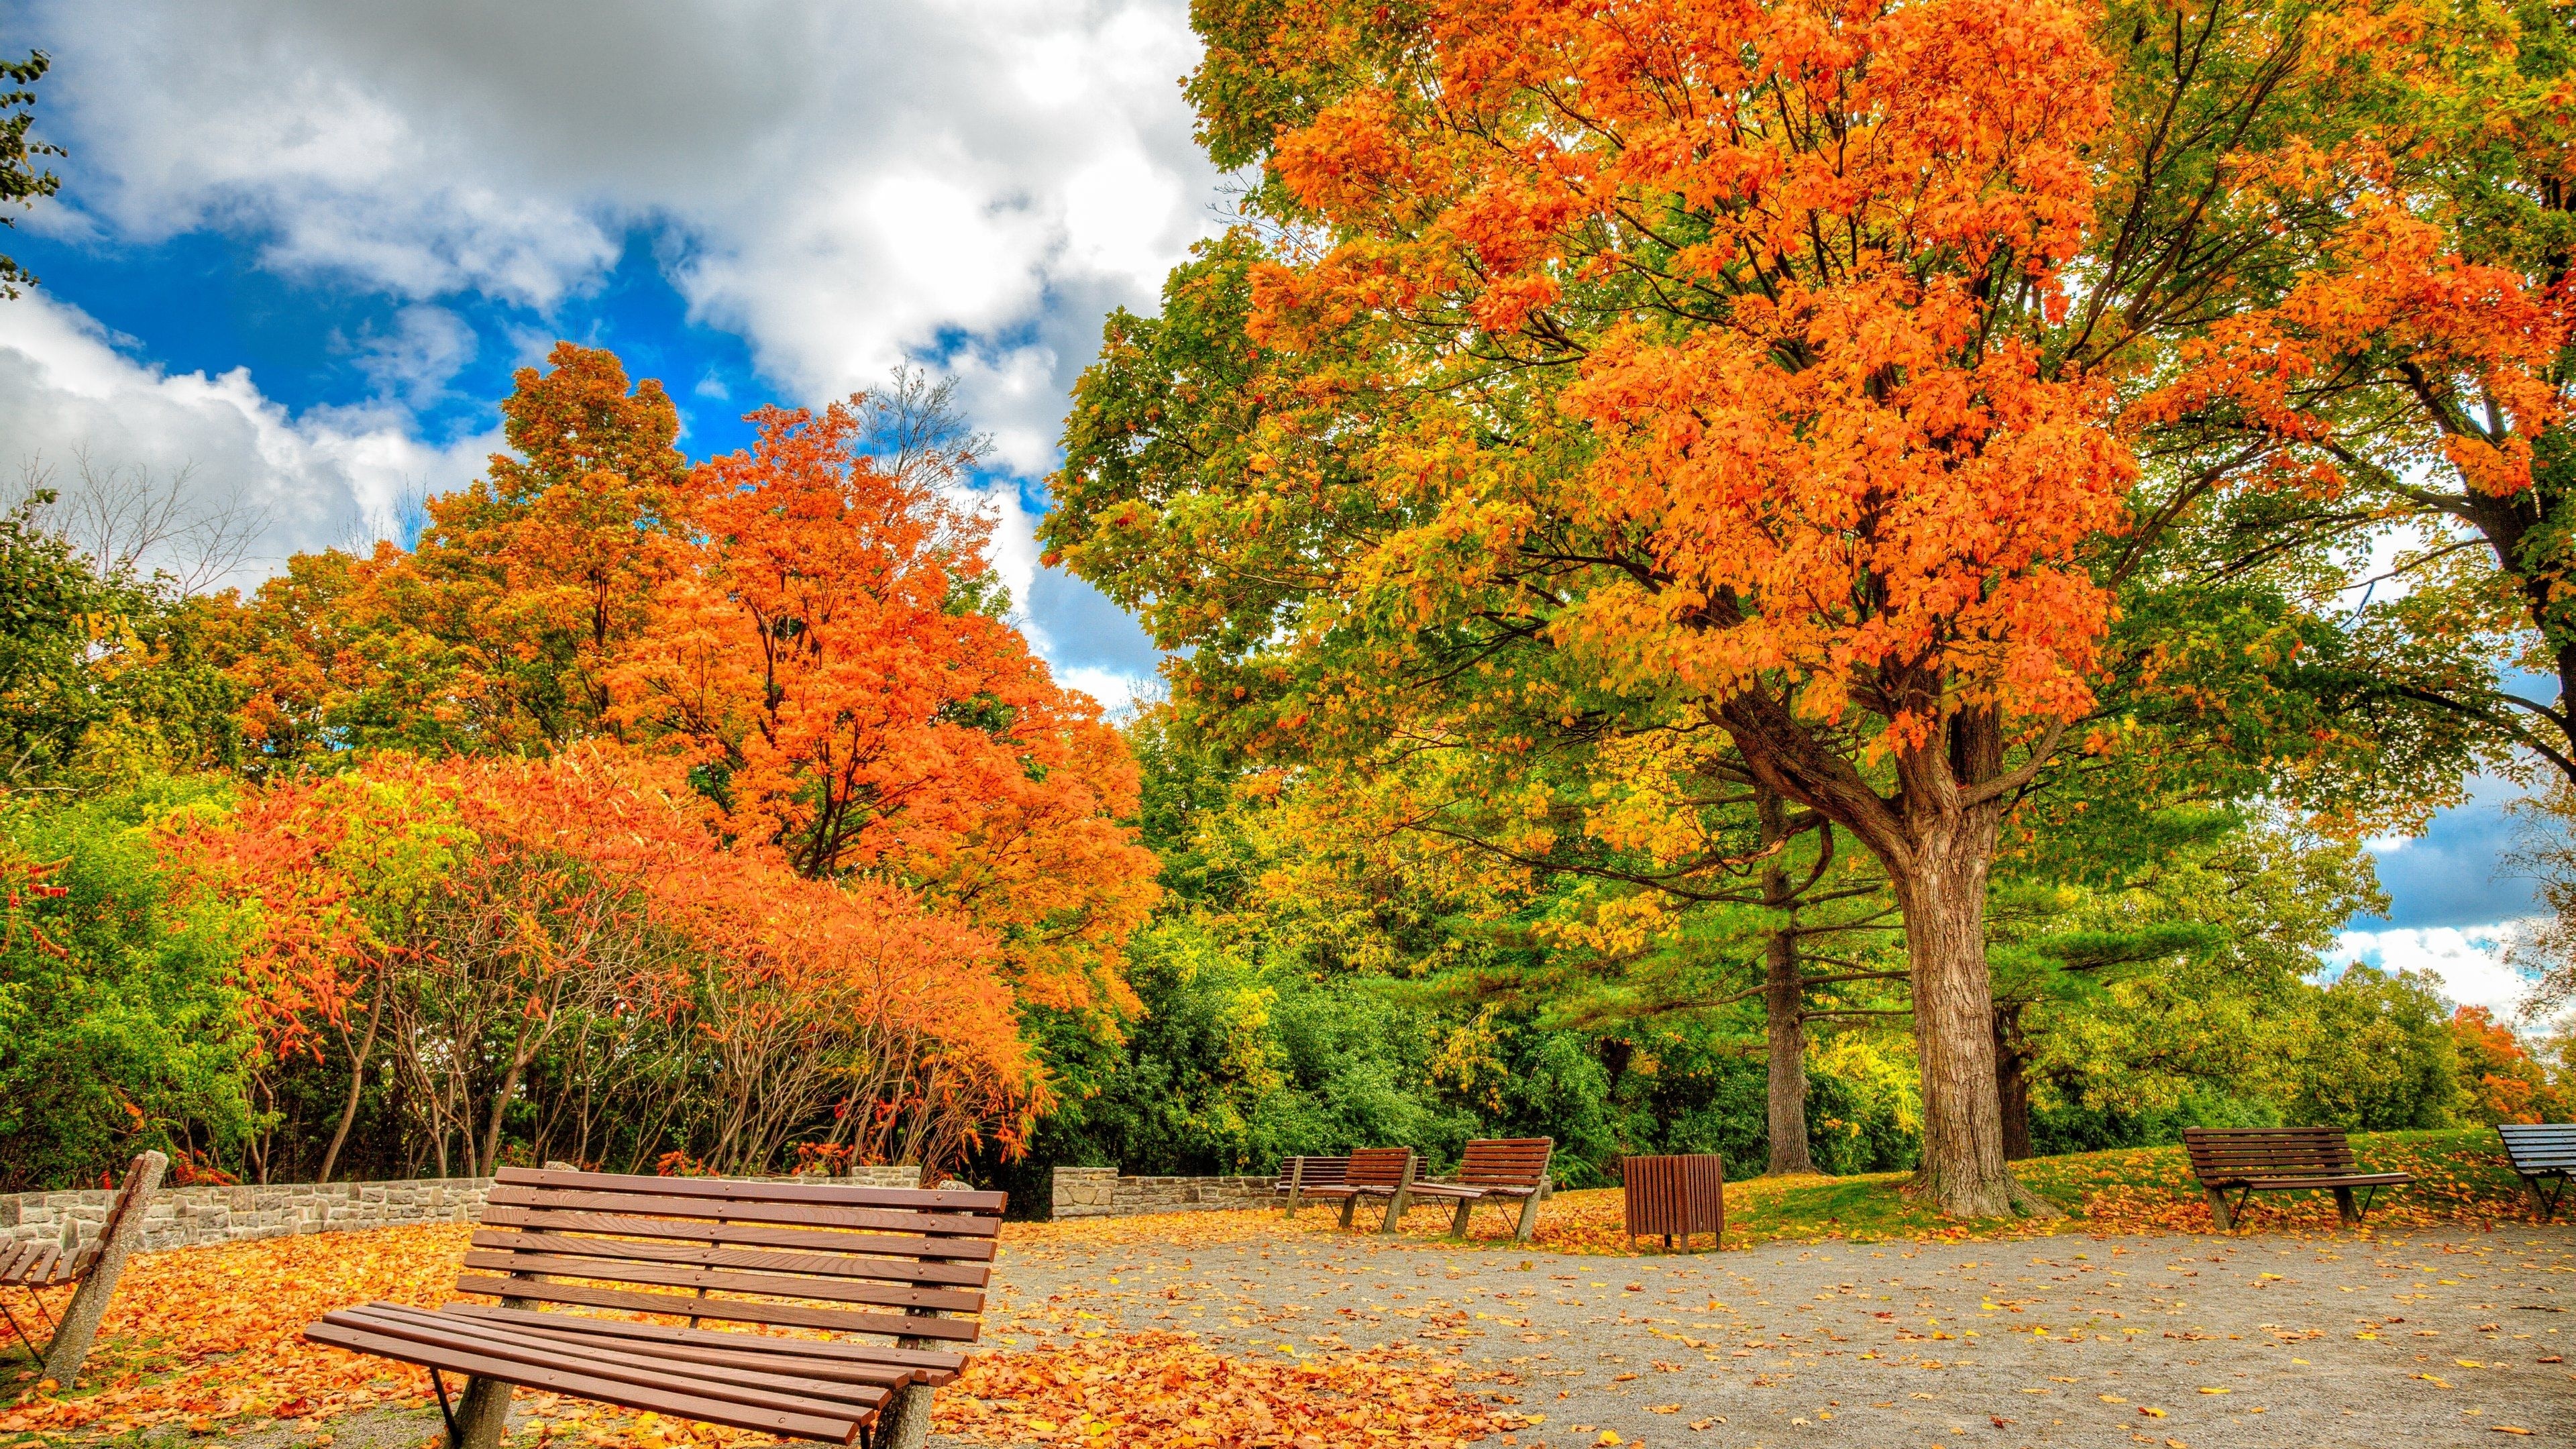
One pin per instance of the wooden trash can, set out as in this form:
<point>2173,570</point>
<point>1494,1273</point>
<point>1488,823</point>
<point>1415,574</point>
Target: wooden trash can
<point>1670,1197</point>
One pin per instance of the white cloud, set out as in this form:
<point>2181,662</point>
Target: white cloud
<point>850,185</point>
<point>2468,960</point>
<point>321,479</point>
<point>413,361</point>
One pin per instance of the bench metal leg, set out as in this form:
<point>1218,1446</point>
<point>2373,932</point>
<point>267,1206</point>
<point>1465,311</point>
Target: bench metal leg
<point>482,1414</point>
<point>2345,1206</point>
<point>1458,1219</point>
<point>1529,1218</point>
<point>2543,1201</point>
<point>2218,1212</point>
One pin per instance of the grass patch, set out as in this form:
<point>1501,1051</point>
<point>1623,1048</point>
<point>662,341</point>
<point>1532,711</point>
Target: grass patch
<point>2460,1178</point>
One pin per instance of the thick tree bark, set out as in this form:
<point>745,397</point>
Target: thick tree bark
<point>1784,1002</point>
<point>1944,898</point>
<point>1936,838</point>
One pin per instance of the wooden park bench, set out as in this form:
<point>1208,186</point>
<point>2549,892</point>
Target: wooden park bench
<point>90,1270</point>
<point>1499,1169</point>
<point>1299,1177</point>
<point>2541,1152</point>
<point>2248,1160</point>
<point>665,1254</point>
<point>1373,1172</point>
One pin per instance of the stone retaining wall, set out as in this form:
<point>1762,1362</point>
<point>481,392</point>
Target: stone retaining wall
<point>1099,1192</point>
<point>178,1217</point>
<point>181,1217</point>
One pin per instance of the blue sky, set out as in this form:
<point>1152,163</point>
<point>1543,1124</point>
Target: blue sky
<point>302,245</point>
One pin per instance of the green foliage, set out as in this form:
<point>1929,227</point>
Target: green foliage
<point>118,1021</point>
<point>2372,1052</point>
<point>101,677</point>
<point>20,180</point>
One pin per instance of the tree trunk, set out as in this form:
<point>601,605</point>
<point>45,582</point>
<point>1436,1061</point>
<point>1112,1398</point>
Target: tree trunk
<point>1944,898</point>
<point>1784,1003</point>
<point>357,1081</point>
<point>500,1105</point>
<point>2012,1084</point>
<point>1936,838</point>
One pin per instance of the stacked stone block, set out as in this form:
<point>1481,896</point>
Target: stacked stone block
<point>179,1217</point>
<point>1100,1192</point>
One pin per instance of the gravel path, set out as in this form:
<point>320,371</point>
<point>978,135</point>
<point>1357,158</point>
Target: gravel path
<point>2421,1340</point>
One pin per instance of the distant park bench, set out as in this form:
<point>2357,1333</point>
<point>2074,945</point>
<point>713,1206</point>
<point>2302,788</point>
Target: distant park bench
<point>1500,1169</point>
<point>1372,1172</point>
<point>2248,1160</point>
<point>89,1270</point>
<point>1299,1177</point>
<point>782,1255</point>
<point>2542,1152</point>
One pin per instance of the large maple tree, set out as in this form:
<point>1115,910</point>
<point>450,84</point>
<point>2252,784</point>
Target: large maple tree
<point>1752,367</point>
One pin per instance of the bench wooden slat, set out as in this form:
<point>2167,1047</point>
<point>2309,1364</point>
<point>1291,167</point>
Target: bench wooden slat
<point>937,1228</point>
<point>986,1206</point>
<point>754,1381</point>
<point>2342,1179</point>
<point>35,1268</point>
<point>1377,1169</point>
<point>703,1255</point>
<point>565,1379</point>
<point>564,1327</point>
<point>602,1269</point>
<point>936,1362</point>
<point>966,1260</point>
<point>725,1310</point>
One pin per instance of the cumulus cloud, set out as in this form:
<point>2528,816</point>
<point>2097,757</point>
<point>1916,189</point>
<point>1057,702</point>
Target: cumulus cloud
<point>320,479</point>
<point>967,180</point>
<point>2468,960</point>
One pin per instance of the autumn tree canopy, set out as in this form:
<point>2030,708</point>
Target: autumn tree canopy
<point>1756,368</point>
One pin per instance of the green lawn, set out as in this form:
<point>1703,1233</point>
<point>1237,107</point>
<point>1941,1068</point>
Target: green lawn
<point>2460,1175</point>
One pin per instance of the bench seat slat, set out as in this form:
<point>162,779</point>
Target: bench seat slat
<point>898,1257</point>
<point>745,1352</point>
<point>565,1378</point>
<point>724,1310</point>
<point>760,1382</point>
<point>941,1365</point>
<point>2295,1182</point>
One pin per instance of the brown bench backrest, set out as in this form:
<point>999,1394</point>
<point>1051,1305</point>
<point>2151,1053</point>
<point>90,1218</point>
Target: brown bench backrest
<point>1318,1171</point>
<point>895,1261</point>
<point>2235,1154</point>
<point>127,1202</point>
<point>1506,1162</point>
<point>2540,1146</point>
<point>1378,1166</point>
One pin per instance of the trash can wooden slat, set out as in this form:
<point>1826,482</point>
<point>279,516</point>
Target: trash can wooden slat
<point>1674,1196</point>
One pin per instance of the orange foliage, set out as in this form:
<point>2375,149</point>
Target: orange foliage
<point>825,654</point>
<point>809,630</point>
<point>2503,1081</point>
<point>1847,466</point>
